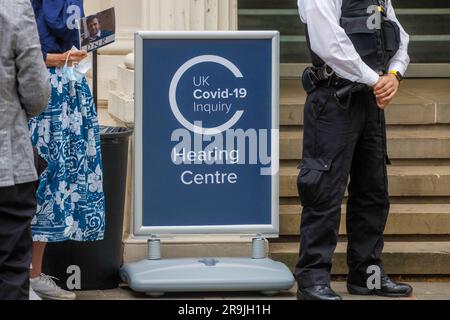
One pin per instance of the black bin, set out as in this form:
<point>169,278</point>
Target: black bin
<point>99,262</point>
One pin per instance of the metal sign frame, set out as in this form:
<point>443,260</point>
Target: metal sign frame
<point>141,231</point>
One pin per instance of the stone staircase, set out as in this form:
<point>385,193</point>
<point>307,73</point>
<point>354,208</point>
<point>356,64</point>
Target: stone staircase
<point>418,230</point>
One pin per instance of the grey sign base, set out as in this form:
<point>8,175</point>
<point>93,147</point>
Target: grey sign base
<point>157,277</point>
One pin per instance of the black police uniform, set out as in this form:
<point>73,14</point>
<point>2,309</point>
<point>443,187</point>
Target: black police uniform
<point>342,142</point>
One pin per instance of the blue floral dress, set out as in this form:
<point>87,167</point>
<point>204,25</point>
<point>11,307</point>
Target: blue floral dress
<point>70,195</point>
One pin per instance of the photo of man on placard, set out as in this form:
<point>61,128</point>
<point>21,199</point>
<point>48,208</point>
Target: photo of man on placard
<point>97,30</point>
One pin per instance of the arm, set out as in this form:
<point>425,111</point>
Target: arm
<point>401,60</point>
<point>330,42</point>
<point>55,59</point>
<point>32,76</point>
<point>59,59</point>
<point>387,88</point>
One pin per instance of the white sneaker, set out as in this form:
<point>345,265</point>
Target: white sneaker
<point>46,288</point>
<point>33,295</point>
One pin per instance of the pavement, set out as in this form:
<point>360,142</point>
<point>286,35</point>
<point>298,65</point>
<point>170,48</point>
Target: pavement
<point>422,291</point>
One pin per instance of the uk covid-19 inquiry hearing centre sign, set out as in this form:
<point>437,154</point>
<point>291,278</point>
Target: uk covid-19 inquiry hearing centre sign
<point>206,144</point>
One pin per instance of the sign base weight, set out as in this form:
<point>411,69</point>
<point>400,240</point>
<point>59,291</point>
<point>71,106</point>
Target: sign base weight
<point>158,277</point>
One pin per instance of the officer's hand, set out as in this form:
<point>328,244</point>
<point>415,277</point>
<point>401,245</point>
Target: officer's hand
<point>382,104</point>
<point>386,89</point>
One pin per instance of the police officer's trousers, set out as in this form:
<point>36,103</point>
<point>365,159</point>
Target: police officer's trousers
<point>339,144</point>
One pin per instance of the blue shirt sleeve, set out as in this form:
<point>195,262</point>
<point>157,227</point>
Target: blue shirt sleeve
<point>44,54</point>
<point>57,15</point>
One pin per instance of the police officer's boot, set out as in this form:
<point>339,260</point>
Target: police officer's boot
<point>317,293</point>
<point>388,288</point>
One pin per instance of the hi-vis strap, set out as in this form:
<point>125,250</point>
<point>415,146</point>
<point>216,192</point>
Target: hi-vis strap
<point>382,6</point>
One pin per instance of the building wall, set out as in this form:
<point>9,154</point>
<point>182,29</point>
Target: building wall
<point>137,15</point>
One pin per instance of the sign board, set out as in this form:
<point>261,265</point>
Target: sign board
<point>206,133</point>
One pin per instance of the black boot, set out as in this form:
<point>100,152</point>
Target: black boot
<point>317,293</point>
<point>388,289</point>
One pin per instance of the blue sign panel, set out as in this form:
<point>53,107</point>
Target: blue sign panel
<point>206,133</point>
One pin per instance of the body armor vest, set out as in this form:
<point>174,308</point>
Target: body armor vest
<point>375,38</point>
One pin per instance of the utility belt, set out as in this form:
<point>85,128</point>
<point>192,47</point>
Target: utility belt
<point>315,77</point>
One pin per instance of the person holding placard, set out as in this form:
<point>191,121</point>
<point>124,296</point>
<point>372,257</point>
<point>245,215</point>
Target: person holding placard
<point>70,195</point>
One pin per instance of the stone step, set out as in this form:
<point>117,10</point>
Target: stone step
<point>404,219</point>
<point>396,114</point>
<point>426,21</point>
<point>107,71</point>
<point>294,201</point>
<point>294,49</point>
<point>406,142</point>
<point>403,180</point>
<point>428,27</point>
<point>400,258</point>
<point>121,107</point>
<point>424,101</point>
<point>290,4</point>
<point>125,81</point>
<point>432,21</point>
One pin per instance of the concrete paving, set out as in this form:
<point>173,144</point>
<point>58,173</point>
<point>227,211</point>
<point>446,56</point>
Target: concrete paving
<point>422,291</point>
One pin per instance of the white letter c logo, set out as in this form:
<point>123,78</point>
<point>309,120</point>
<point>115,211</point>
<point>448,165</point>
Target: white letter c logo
<point>173,95</point>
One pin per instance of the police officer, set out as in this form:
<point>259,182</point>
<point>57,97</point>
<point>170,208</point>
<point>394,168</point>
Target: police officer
<point>359,52</point>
